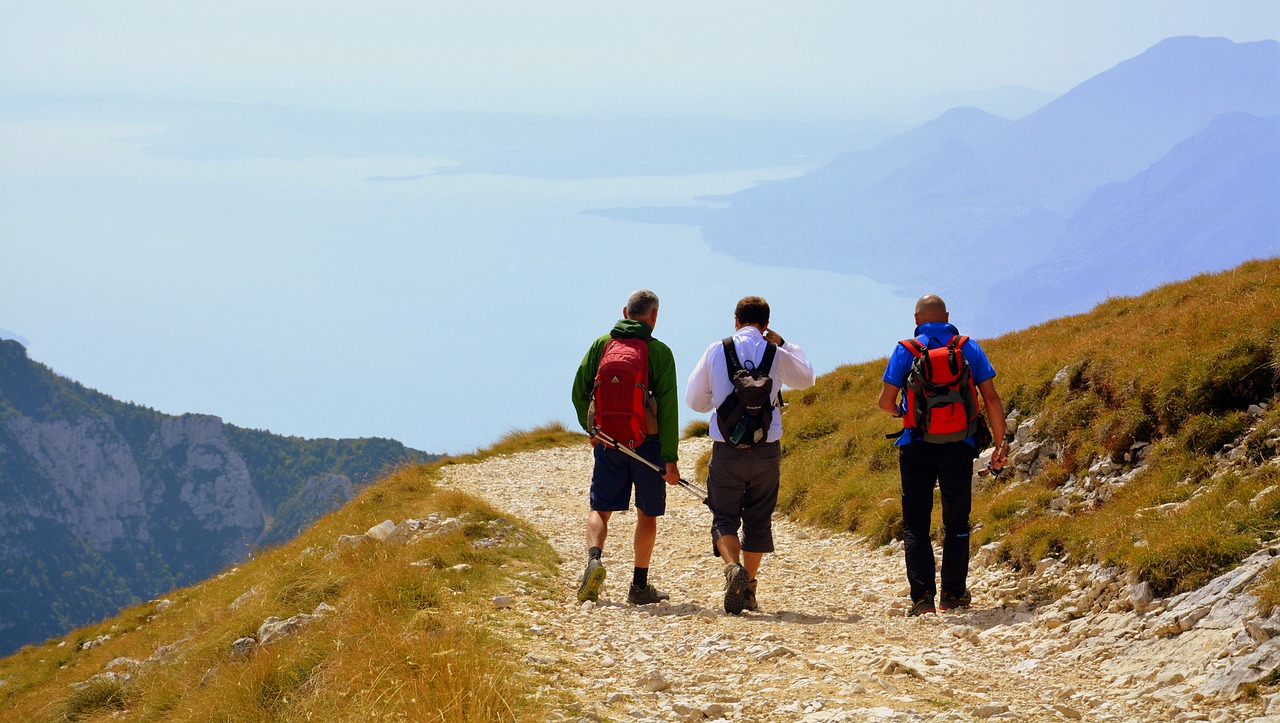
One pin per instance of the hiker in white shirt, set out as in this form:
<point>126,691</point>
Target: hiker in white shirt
<point>742,478</point>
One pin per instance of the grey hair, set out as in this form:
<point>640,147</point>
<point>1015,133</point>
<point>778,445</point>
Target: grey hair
<point>642,302</point>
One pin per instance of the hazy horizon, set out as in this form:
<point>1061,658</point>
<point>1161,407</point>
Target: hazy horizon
<point>249,260</point>
<point>823,60</point>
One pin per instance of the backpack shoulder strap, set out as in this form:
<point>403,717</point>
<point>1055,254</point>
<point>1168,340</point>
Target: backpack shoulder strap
<point>914,346</point>
<point>766,362</point>
<point>955,357</point>
<point>733,365</point>
<point>604,350</point>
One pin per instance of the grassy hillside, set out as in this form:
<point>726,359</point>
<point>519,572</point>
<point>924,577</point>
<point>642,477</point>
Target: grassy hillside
<point>416,640</point>
<point>56,570</point>
<point>1176,367</point>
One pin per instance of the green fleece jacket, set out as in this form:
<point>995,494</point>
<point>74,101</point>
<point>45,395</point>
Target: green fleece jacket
<point>662,382</point>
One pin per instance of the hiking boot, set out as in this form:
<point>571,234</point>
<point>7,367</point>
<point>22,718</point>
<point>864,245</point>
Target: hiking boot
<point>592,579</point>
<point>646,595</point>
<point>736,579</point>
<point>749,597</point>
<point>947,601</point>
<point>922,606</point>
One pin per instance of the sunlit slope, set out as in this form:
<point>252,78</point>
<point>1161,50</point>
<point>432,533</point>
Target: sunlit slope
<point>400,628</point>
<point>1178,367</point>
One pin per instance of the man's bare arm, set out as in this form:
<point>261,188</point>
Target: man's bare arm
<point>889,399</point>
<point>995,415</point>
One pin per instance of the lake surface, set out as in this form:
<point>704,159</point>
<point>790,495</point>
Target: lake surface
<point>368,296</point>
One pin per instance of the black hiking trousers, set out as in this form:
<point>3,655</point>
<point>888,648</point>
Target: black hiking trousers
<point>950,467</point>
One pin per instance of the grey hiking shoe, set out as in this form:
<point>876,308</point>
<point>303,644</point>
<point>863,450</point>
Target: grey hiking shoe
<point>592,579</point>
<point>947,601</point>
<point>736,579</point>
<point>646,595</point>
<point>749,597</point>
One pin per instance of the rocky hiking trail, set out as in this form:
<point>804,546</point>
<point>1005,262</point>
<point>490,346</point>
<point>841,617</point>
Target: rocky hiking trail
<point>831,641</point>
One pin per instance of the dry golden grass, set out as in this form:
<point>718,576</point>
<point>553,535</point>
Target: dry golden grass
<point>1176,366</point>
<point>696,428</point>
<point>551,434</point>
<point>407,642</point>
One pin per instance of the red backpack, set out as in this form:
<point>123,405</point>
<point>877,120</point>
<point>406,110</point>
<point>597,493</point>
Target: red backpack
<point>620,404</point>
<point>942,403</point>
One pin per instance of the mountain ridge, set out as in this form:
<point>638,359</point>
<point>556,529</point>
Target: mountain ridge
<point>1008,191</point>
<point>107,502</point>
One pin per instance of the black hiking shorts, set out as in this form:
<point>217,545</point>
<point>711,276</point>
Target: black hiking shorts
<point>742,487</point>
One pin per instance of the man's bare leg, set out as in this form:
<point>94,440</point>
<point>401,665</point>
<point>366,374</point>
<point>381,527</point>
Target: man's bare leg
<point>593,576</point>
<point>646,536</point>
<point>598,528</point>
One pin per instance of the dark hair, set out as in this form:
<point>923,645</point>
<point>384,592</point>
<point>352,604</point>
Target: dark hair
<point>642,302</point>
<point>752,310</point>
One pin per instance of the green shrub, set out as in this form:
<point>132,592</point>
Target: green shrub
<point>95,697</point>
<point>1075,414</point>
<point>1243,373</point>
<point>1029,397</point>
<point>1207,433</point>
<point>883,457</point>
<point>1182,562</point>
<point>817,429</point>
<point>1118,431</point>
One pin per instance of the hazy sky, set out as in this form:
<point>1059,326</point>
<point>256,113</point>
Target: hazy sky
<point>287,292</point>
<point>714,57</point>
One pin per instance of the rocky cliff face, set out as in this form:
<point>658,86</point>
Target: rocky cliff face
<point>216,488</point>
<point>95,489</point>
<point>103,503</point>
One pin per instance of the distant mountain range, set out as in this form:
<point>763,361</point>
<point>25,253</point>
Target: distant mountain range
<point>104,503</point>
<point>1159,168</point>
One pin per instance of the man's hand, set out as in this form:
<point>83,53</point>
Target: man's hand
<point>999,456</point>
<point>672,475</point>
<point>773,336</point>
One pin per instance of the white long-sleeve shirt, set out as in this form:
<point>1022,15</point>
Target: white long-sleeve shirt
<point>709,383</point>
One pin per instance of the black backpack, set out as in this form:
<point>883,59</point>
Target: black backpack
<point>746,414</point>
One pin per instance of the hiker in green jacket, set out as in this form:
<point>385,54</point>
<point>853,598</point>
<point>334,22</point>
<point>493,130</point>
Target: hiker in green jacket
<point>642,414</point>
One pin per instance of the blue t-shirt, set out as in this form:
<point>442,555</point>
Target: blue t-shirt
<point>934,334</point>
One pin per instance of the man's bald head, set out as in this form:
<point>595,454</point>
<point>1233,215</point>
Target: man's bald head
<point>931,308</point>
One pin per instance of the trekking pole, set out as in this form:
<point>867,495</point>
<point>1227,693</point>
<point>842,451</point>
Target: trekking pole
<point>685,484</point>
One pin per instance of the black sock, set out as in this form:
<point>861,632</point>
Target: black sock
<point>640,577</point>
<point>593,553</point>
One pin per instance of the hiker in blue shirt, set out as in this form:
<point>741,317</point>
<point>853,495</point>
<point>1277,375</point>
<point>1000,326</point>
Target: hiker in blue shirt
<point>925,459</point>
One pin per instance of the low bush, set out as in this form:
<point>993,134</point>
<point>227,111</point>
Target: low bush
<point>696,428</point>
<point>1208,433</point>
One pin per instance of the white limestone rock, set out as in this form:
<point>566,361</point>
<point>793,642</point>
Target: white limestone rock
<point>108,678</point>
<point>273,628</point>
<point>244,597</point>
<point>654,681</point>
<point>243,648</point>
<point>381,531</point>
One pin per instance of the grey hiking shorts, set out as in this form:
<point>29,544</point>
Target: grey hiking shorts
<point>742,487</point>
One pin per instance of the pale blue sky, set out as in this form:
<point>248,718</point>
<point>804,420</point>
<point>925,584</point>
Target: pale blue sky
<point>286,292</point>
<point>730,58</point>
